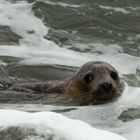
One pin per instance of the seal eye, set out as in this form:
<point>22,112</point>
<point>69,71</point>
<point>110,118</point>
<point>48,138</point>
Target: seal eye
<point>114,75</point>
<point>88,78</point>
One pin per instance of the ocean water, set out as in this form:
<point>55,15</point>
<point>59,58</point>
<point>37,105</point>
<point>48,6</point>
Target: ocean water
<point>50,39</point>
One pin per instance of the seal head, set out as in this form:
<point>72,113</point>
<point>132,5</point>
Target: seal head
<point>95,83</point>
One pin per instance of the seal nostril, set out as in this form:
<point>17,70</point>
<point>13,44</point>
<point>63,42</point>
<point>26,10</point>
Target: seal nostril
<point>106,86</point>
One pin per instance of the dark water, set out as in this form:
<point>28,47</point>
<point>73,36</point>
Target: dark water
<point>93,19</point>
<point>81,26</point>
<point>76,21</point>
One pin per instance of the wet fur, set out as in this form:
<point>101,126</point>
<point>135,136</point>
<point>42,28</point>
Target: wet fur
<point>76,88</point>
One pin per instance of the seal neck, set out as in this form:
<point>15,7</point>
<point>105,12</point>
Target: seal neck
<point>58,88</point>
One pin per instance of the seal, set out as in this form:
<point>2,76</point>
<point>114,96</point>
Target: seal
<point>96,82</point>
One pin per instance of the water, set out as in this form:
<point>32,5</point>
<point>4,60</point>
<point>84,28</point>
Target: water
<point>50,40</point>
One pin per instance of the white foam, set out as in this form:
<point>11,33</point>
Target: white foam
<point>130,97</point>
<point>131,130</point>
<point>63,4</point>
<point>65,128</point>
<point>21,22</point>
<point>134,8</point>
<point>38,51</point>
<point>2,63</point>
<point>44,55</point>
<point>52,54</point>
<point>116,9</point>
<point>33,47</point>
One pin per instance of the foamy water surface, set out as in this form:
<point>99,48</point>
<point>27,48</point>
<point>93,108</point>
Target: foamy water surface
<point>34,49</point>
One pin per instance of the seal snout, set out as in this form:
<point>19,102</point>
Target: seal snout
<point>106,86</point>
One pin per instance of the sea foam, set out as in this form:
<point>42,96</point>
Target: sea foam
<point>64,128</point>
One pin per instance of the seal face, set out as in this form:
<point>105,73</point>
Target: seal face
<point>95,83</point>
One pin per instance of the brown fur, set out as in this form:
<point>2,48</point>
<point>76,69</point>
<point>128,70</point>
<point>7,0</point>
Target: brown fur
<point>78,89</point>
<point>92,93</point>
